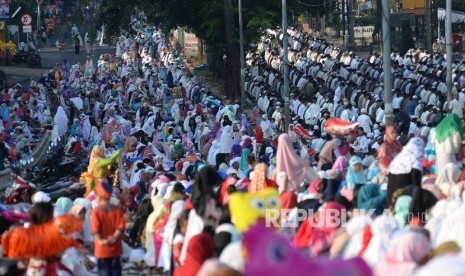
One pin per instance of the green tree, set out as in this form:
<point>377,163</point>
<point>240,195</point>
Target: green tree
<point>213,21</point>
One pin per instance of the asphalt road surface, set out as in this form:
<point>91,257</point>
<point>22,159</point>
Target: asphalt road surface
<point>50,56</point>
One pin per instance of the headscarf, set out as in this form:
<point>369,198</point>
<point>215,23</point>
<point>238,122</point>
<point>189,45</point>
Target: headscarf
<point>449,125</point>
<point>401,210</point>
<point>382,229</point>
<point>244,121</point>
<point>289,162</point>
<point>199,249</point>
<point>340,166</point>
<point>62,206</point>
<point>61,120</point>
<point>329,218</point>
<point>448,177</point>
<point>411,157</point>
<point>177,208</point>
<point>224,197</point>
<point>447,265</point>
<point>76,210</point>
<point>226,141</point>
<point>422,201</point>
<point>215,267</point>
<point>247,143</point>
<point>206,179</point>
<point>80,201</point>
<point>404,255</point>
<point>244,155</point>
<point>236,150</point>
<point>370,196</point>
<point>353,178</point>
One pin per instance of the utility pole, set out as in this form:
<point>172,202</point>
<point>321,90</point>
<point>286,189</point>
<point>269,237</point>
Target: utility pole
<point>449,50</point>
<point>388,112</point>
<point>287,115</point>
<point>241,41</point>
<point>343,5</point>
<point>38,15</point>
<point>350,15</point>
<point>428,24</point>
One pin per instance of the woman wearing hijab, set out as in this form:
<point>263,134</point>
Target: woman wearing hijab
<point>328,154</point>
<point>381,231</point>
<point>88,237</point>
<point>292,133</point>
<point>447,179</point>
<point>289,162</point>
<point>334,177</point>
<point>61,120</point>
<point>406,168</point>
<point>244,121</point>
<point>193,132</point>
<point>355,174</point>
<point>406,253</point>
<point>390,148</point>
<point>371,197</point>
<point>206,211</point>
<point>244,155</point>
<point>226,143</point>
<point>317,233</point>
<point>401,210</point>
<point>447,140</point>
<point>177,209</point>
<point>265,125</point>
<point>199,250</point>
<point>157,202</point>
<point>63,206</point>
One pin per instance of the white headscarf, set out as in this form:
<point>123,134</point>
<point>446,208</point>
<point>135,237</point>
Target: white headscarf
<point>411,157</point>
<point>61,120</point>
<point>88,238</point>
<point>177,208</point>
<point>211,158</point>
<point>226,140</point>
<point>382,229</point>
<point>447,177</point>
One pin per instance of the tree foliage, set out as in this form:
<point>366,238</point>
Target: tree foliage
<point>214,21</point>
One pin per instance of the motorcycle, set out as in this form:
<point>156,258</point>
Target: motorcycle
<point>32,59</point>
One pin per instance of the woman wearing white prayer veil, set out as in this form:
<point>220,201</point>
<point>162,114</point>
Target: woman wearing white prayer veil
<point>382,229</point>
<point>95,137</point>
<point>61,120</point>
<point>86,128</point>
<point>88,237</point>
<point>212,152</point>
<point>266,127</point>
<point>164,260</point>
<point>55,134</point>
<point>157,204</point>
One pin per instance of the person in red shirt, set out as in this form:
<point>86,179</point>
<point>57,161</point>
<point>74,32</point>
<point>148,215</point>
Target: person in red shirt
<point>107,226</point>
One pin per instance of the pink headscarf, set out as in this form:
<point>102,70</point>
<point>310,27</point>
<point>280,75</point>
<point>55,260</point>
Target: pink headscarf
<point>289,162</point>
<point>341,166</point>
<point>404,254</point>
<point>76,209</point>
<point>329,220</point>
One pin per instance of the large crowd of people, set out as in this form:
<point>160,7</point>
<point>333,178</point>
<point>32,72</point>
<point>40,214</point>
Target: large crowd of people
<point>184,182</point>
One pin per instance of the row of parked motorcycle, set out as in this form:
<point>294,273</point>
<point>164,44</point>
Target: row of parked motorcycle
<point>55,175</point>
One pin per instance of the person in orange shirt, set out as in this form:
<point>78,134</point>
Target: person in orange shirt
<point>107,226</point>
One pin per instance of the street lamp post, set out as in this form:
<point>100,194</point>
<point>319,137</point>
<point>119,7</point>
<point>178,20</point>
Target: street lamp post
<point>38,15</point>
<point>241,41</point>
<point>389,117</point>
<point>286,67</point>
<point>449,50</point>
